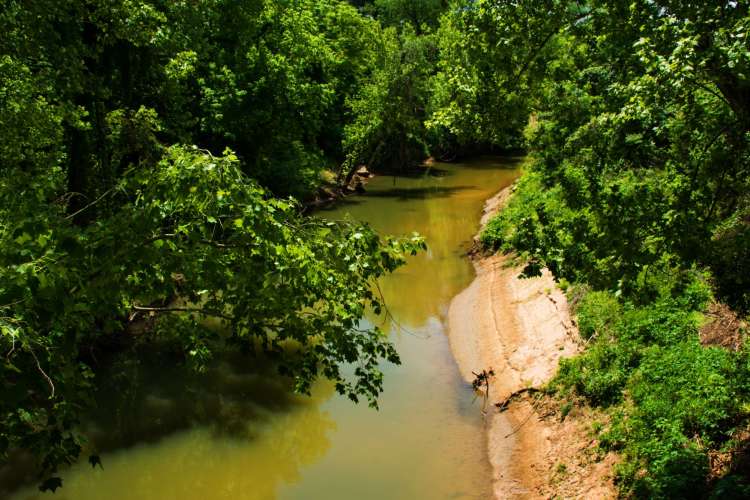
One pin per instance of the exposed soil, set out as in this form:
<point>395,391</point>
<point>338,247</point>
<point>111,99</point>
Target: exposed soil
<point>520,328</point>
<point>723,328</point>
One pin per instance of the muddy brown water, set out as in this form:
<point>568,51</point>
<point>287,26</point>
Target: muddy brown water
<point>238,433</point>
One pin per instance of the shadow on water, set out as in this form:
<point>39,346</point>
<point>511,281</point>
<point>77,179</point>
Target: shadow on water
<point>418,193</point>
<point>144,400</point>
<point>335,205</point>
<point>446,170</point>
<point>419,172</point>
<point>402,194</point>
<point>494,163</point>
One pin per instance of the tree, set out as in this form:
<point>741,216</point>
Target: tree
<point>110,216</point>
<point>387,131</point>
<point>641,139</point>
<point>492,62</point>
<point>638,192</point>
<point>420,14</point>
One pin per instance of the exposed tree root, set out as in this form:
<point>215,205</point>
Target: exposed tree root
<point>504,404</point>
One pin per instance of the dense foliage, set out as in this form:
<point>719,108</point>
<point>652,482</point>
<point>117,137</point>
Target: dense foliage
<point>639,190</point>
<point>489,68</point>
<point>268,79</point>
<point>116,229</point>
<point>672,401</point>
<point>148,145</point>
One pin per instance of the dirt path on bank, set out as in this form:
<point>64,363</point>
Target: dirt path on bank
<point>521,328</point>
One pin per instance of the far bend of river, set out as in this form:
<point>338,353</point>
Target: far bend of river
<point>235,433</point>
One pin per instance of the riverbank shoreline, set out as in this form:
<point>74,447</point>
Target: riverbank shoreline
<point>520,328</point>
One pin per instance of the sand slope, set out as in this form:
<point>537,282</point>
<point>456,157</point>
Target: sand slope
<point>521,328</point>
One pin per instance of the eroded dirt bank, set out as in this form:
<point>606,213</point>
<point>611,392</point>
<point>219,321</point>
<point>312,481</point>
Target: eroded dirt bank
<point>521,328</point>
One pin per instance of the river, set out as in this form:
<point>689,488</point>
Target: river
<point>237,433</point>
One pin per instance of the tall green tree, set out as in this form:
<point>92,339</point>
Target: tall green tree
<point>493,59</point>
<point>642,137</point>
<point>639,190</point>
<point>420,14</point>
<point>389,110</point>
<point>110,215</point>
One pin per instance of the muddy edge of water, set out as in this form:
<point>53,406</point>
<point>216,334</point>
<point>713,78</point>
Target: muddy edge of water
<point>520,328</point>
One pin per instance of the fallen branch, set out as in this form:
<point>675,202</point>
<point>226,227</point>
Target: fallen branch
<point>483,379</point>
<point>504,405</point>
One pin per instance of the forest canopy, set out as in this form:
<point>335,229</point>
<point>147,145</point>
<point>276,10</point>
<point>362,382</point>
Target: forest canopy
<point>157,154</point>
<point>638,201</point>
<point>149,149</point>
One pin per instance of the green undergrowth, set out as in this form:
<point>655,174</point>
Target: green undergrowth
<point>672,402</point>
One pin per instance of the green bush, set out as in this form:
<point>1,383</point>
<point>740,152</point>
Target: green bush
<point>600,373</point>
<point>730,487</point>
<point>597,314</point>
<point>674,466</point>
<point>671,399</point>
<point>697,388</point>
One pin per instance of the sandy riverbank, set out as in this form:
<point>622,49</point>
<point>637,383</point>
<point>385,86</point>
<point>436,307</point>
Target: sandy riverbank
<point>521,328</point>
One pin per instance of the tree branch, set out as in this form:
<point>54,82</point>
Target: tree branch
<point>184,309</point>
<point>39,367</point>
<point>77,212</point>
<point>504,404</point>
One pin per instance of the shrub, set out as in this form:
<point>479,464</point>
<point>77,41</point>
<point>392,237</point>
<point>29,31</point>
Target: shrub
<point>671,399</point>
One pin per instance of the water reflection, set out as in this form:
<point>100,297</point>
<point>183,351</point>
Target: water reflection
<point>446,211</point>
<point>412,193</point>
<point>237,432</point>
